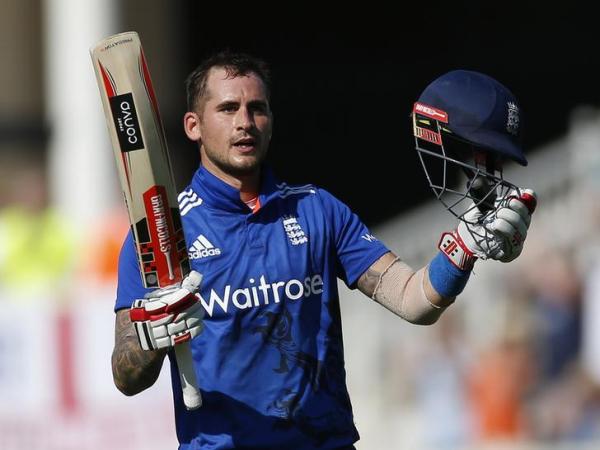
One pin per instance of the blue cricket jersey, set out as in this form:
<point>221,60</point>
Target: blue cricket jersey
<point>270,361</point>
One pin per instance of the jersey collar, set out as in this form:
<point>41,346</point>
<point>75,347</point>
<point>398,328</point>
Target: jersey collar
<point>217,194</point>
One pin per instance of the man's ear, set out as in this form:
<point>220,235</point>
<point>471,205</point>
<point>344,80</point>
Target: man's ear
<point>191,125</point>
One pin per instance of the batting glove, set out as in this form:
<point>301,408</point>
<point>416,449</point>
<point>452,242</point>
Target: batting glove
<point>498,234</point>
<point>169,316</point>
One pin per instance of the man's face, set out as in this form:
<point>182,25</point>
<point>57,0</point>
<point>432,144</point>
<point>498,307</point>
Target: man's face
<point>235,123</point>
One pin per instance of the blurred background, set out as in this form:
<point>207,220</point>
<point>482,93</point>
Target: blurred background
<point>514,364</point>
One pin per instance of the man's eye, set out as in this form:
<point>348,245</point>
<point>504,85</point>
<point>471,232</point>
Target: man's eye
<point>228,108</point>
<point>259,109</point>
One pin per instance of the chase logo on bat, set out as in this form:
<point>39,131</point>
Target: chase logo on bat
<point>126,122</point>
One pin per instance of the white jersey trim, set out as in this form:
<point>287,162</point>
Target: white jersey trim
<point>286,191</point>
<point>188,200</point>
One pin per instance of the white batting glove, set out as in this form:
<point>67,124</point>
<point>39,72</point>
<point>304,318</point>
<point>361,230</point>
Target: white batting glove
<point>498,234</point>
<point>169,316</point>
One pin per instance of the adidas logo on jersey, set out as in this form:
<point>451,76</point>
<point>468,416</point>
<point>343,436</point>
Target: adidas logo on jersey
<point>202,248</point>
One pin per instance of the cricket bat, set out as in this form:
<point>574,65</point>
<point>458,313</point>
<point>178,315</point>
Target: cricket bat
<point>140,149</point>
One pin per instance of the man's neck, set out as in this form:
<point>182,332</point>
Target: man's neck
<point>247,193</point>
<point>248,185</point>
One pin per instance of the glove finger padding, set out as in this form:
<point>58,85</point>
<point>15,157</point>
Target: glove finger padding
<point>180,301</point>
<point>479,241</point>
<point>529,198</point>
<point>509,253</point>
<point>196,311</point>
<point>158,293</point>
<point>500,233</point>
<point>195,322</point>
<point>192,281</point>
<point>521,209</point>
<point>169,316</point>
<point>510,225</point>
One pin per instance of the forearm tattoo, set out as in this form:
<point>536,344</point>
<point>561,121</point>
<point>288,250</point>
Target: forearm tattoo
<point>133,369</point>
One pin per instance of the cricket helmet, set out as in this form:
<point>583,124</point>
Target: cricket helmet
<point>467,124</point>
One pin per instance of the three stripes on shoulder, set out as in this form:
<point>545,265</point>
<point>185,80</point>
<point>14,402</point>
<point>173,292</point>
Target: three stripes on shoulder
<point>187,200</point>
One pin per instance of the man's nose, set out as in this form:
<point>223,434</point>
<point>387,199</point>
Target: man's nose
<point>244,119</point>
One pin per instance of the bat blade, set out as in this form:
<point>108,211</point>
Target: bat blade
<point>142,158</point>
<point>144,168</point>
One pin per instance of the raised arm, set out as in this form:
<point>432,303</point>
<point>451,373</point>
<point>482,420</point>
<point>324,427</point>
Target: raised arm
<point>421,297</point>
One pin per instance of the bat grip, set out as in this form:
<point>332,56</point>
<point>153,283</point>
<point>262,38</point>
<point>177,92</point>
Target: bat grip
<point>187,375</point>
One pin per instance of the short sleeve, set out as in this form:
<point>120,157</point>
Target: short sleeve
<point>130,286</point>
<point>356,248</point>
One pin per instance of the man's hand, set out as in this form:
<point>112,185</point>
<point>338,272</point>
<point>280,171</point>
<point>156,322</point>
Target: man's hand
<point>498,234</point>
<point>169,316</point>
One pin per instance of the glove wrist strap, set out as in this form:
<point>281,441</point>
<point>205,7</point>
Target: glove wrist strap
<point>456,251</point>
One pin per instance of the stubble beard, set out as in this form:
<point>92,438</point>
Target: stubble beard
<point>238,170</point>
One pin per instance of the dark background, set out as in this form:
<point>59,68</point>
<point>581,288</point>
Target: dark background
<point>344,82</point>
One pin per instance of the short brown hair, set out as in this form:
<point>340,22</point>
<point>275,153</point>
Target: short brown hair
<point>235,64</point>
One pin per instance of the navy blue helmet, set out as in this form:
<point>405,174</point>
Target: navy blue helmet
<point>467,120</point>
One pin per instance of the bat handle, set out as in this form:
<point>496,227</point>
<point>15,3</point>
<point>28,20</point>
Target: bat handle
<point>187,375</point>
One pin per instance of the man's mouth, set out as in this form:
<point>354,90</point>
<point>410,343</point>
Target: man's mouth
<point>245,144</point>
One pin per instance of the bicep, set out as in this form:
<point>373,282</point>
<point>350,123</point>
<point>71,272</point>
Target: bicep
<point>367,282</point>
